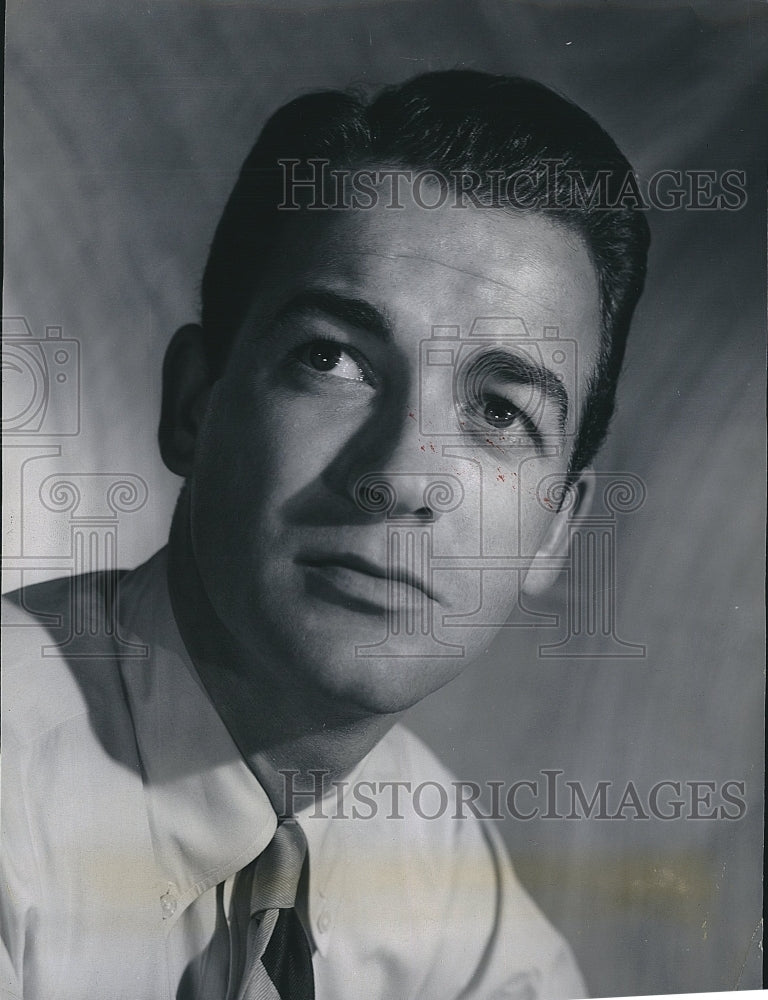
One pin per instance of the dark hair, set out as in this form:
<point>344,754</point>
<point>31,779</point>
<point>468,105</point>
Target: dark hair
<point>448,122</point>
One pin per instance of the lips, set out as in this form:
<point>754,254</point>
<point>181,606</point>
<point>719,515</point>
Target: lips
<point>357,583</point>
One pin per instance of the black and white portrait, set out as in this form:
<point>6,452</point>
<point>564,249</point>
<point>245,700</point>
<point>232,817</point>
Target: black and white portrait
<point>383,440</point>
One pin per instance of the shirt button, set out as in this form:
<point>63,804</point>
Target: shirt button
<point>168,902</point>
<point>323,922</point>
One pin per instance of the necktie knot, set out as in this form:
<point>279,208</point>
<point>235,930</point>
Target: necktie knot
<point>277,960</point>
<point>278,870</point>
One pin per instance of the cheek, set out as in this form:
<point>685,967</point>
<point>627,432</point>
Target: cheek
<point>501,512</point>
<point>513,524</point>
<point>252,454</point>
<point>513,521</point>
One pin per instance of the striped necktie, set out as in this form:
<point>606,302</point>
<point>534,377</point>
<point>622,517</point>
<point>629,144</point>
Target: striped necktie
<point>278,961</point>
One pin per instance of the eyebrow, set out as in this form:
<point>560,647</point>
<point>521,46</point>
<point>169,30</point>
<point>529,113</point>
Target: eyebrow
<point>515,368</point>
<point>341,308</point>
<point>521,370</point>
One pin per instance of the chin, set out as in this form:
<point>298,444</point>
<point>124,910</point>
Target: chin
<point>381,685</point>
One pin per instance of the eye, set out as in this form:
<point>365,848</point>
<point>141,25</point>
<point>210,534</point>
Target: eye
<point>500,412</point>
<point>330,358</point>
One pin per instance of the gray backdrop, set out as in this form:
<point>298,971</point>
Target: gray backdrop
<point>125,126</point>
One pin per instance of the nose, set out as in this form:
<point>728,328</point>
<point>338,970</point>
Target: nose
<point>405,477</point>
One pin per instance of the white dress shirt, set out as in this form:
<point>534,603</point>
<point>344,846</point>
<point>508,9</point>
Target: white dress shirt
<point>127,810</point>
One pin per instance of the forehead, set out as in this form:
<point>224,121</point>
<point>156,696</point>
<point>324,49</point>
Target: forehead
<point>447,266</point>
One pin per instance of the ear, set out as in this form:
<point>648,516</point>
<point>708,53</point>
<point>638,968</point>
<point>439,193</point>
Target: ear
<point>187,384</point>
<point>541,574</point>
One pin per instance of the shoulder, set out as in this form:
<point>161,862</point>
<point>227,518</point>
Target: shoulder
<point>458,865</point>
<point>38,691</point>
<point>72,797</point>
<point>54,661</point>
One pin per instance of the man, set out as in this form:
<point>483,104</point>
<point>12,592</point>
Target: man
<point>413,319</point>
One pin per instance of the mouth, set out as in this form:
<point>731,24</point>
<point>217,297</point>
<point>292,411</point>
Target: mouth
<point>361,585</point>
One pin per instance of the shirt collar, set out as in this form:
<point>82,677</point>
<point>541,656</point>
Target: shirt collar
<point>327,835</point>
<point>208,814</point>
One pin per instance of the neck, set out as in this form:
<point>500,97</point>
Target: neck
<point>294,741</point>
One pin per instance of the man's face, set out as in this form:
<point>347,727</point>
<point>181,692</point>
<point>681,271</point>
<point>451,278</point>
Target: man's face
<point>356,487</point>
